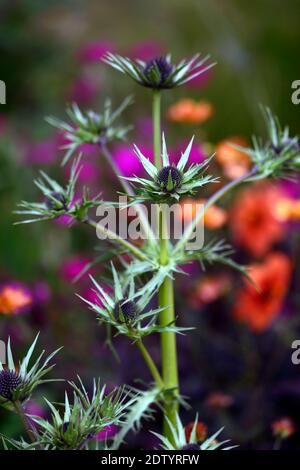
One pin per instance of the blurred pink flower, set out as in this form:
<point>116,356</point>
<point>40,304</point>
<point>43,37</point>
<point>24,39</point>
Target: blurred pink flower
<point>197,154</point>
<point>35,409</point>
<point>109,431</point>
<point>90,173</point>
<point>64,220</point>
<point>73,266</point>
<point>42,153</point>
<point>88,149</point>
<point>83,91</point>
<point>291,188</point>
<point>89,293</point>
<point>94,51</point>
<point>41,293</point>
<point>144,127</point>
<point>189,268</point>
<point>145,50</point>
<point>202,80</point>
<point>89,170</point>
<point>127,161</point>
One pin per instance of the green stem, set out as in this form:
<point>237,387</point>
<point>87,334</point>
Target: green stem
<point>150,363</point>
<point>165,295</point>
<point>156,127</point>
<point>168,338</point>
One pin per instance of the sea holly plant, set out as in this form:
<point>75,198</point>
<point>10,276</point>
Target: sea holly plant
<point>139,302</point>
<point>75,423</point>
<point>171,182</point>
<point>89,127</point>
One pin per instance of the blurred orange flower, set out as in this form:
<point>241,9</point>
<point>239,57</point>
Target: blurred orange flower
<point>188,111</point>
<point>208,289</point>
<point>214,216</point>
<point>253,221</point>
<point>287,210</point>
<point>201,431</point>
<point>234,162</point>
<point>259,307</point>
<point>13,299</point>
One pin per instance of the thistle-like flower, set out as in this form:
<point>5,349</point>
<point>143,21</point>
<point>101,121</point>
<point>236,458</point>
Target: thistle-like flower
<point>159,72</point>
<point>180,441</point>
<point>73,427</point>
<point>90,127</point>
<point>58,199</point>
<point>125,308</point>
<point>125,311</point>
<point>278,156</point>
<point>171,182</point>
<point>17,384</point>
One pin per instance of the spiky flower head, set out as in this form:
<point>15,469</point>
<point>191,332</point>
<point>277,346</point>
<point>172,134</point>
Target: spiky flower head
<point>276,157</point>
<point>159,72</point>
<point>74,424</point>
<point>182,442</point>
<point>58,200</point>
<point>9,382</point>
<point>17,384</point>
<point>171,182</point>
<point>169,179</point>
<point>89,127</point>
<point>125,311</point>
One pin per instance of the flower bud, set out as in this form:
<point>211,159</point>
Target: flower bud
<point>9,382</point>
<point>169,179</point>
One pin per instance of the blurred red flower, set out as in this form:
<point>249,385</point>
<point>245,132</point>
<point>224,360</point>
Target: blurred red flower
<point>259,306</point>
<point>283,428</point>
<point>254,223</point>
<point>201,431</point>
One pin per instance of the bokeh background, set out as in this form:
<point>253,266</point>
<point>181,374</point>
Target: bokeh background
<point>235,367</point>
